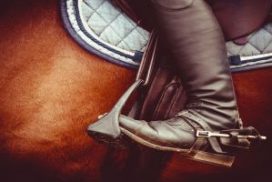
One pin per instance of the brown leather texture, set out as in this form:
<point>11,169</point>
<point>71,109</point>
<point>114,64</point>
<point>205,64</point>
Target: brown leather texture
<point>218,94</point>
<point>196,45</point>
<point>240,17</point>
<point>236,17</point>
<point>165,96</point>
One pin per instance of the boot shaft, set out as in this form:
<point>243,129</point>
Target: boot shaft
<point>197,45</point>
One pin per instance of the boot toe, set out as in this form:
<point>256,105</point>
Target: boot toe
<point>161,132</point>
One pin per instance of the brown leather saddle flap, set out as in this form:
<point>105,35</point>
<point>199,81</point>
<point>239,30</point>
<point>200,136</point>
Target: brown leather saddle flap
<point>165,96</point>
<point>240,17</point>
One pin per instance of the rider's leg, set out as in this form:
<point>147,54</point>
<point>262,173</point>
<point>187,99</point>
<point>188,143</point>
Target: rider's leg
<point>197,45</point>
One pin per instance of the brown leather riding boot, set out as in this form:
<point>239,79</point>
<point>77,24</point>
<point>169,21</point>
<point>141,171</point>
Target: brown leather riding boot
<point>211,118</point>
<point>197,45</point>
<point>198,48</point>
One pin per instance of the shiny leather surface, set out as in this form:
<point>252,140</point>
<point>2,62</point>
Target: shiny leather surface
<point>199,53</point>
<point>236,17</point>
<point>197,46</point>
<point>169,133</point>
<point>165,96</point>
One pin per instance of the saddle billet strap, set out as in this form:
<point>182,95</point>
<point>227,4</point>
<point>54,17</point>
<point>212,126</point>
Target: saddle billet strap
<point>148,60</point>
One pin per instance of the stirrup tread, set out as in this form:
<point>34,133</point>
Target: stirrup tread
<point>213,158</point>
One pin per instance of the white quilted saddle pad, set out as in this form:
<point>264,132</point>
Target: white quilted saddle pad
<point>105,30</point>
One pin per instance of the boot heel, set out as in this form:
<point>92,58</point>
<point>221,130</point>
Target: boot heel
<point>215,159</point>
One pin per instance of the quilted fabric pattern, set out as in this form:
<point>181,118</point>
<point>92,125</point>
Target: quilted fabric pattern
<point>106,31</point>
<point>113,26</point>
<point>259,42</point>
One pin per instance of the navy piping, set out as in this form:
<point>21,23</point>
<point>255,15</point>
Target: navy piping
<point>69,28</point>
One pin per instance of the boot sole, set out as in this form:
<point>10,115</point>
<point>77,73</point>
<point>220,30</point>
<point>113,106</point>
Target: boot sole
<point>201,156</point>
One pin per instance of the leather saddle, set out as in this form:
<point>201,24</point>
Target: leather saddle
<point>237,18</point>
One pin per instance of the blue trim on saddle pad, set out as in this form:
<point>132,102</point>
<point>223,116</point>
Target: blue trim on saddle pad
<point>112,54</point>
<point>73,23</point>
